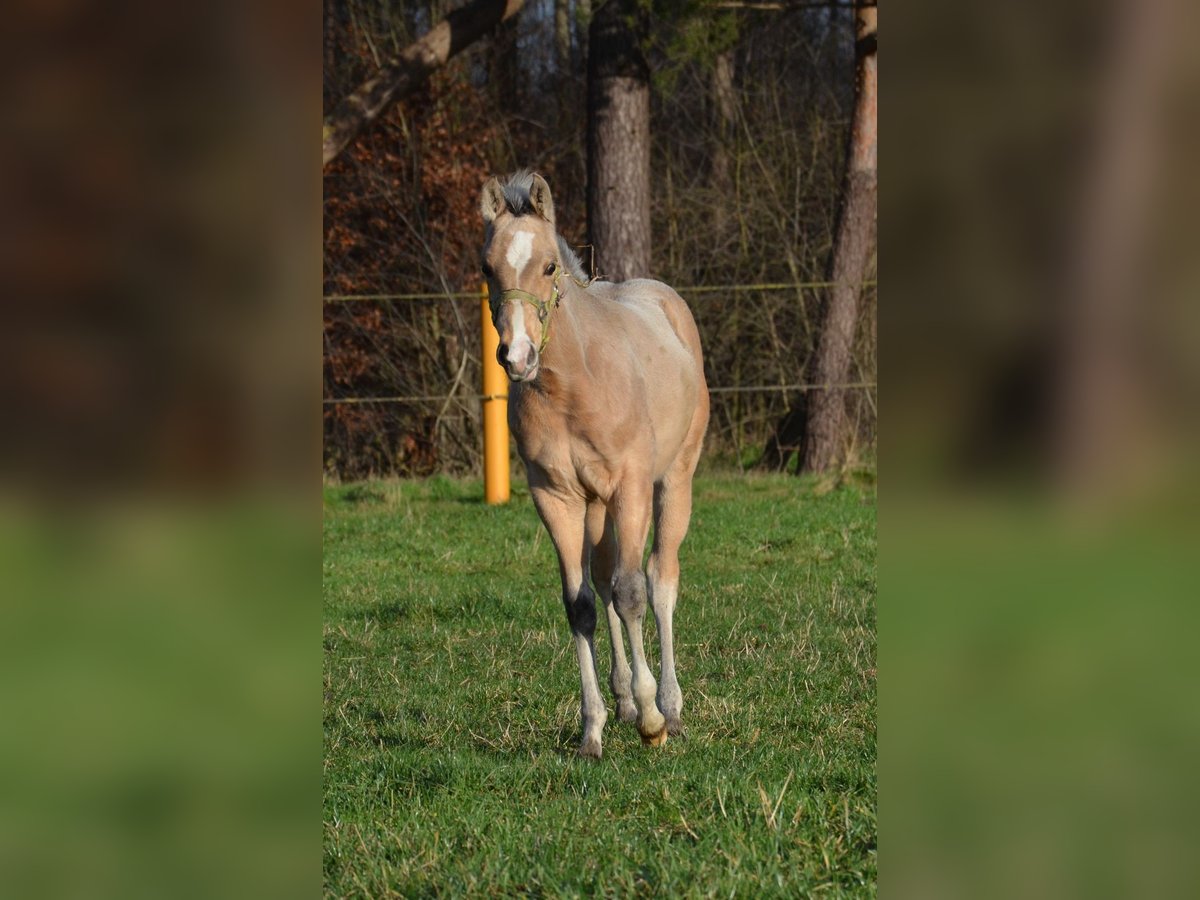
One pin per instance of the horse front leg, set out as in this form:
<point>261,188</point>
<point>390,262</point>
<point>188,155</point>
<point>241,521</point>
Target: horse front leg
<point>602,554</point>
<point>564,519</point>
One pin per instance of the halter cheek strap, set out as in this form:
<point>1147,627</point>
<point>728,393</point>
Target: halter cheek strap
<point>543,306</point>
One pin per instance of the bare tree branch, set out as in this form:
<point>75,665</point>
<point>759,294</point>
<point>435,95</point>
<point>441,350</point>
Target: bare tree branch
<point>776,6</point>
<point>416,63</point>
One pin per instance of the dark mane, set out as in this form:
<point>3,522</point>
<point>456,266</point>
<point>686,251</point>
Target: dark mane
<point>516,190</point>
<point>570,259</point>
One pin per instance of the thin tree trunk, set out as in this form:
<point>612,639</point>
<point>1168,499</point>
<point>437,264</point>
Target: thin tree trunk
<point>504,68</point>
<point>854,244</point>
<point>403,73</point>
<point>724,110</point>
<point>562,34</point>
<point>583,20</point>
<point>618,143</point>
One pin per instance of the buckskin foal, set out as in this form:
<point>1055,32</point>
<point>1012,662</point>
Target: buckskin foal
<point>609,406</point>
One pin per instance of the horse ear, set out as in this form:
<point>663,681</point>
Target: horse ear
<point>491,200</point>
<point>539,193</point>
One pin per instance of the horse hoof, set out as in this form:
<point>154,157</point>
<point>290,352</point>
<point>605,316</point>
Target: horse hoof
<point>674,727</point>
<point>626,711</point>
<point>655,740</point>
<point>589,749</point>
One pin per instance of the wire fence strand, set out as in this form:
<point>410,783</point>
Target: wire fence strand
<point>741,389</point>
<point>473,295</point>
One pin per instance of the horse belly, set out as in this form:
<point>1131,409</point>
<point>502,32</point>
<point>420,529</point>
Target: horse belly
<point>666,371</point>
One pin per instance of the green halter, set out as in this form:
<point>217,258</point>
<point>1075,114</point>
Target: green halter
<point>543,306</point>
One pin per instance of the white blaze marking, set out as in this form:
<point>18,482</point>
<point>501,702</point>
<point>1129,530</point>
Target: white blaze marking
<point>520,250</point>
<point>518,350</point>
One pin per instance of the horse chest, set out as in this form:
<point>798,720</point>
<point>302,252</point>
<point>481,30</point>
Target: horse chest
<point>567,451</point>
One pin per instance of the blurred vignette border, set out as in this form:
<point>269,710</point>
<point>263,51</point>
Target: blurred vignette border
<point>160,490</point>
<point>1038,482</point>
<point>160,500</point>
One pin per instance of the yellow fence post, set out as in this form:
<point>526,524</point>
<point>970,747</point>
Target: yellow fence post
<point>495,413</point>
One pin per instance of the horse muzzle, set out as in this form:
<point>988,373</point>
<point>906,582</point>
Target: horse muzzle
<point>520,363</point>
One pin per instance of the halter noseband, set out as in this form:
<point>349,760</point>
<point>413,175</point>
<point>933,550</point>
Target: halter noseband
<point>543,306</point>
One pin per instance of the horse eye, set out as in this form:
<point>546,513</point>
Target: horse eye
<point>550,269</point>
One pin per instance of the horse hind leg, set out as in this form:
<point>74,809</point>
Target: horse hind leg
<point>631,517</point>
<point>672,513</point>
<point>602,542</point>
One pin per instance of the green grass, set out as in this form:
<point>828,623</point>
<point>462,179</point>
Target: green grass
<point>451,703</point>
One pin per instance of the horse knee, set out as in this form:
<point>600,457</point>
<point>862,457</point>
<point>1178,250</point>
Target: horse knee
<point>581,612</point>
<point>629,594</point>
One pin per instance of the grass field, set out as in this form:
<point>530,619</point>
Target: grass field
<point>451,703</point>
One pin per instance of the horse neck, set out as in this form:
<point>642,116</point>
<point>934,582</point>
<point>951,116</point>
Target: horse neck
<point>564,349</point>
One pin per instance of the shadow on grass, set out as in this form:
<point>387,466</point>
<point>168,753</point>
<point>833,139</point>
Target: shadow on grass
<point>562,743</point>
<point>361,493</point>
<point>516,499</point>
<point>384,614</point>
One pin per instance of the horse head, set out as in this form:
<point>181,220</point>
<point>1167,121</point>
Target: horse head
<point>522,266</point>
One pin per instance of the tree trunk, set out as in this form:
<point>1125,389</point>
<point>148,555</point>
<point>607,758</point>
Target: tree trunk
<point>1102,399</point>
<point>852,250</point>
<point>618,143</point>
<point>403,73</point>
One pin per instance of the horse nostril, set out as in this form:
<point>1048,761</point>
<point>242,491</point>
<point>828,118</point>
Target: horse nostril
<point>531,359</point>
<point>502,354</point>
